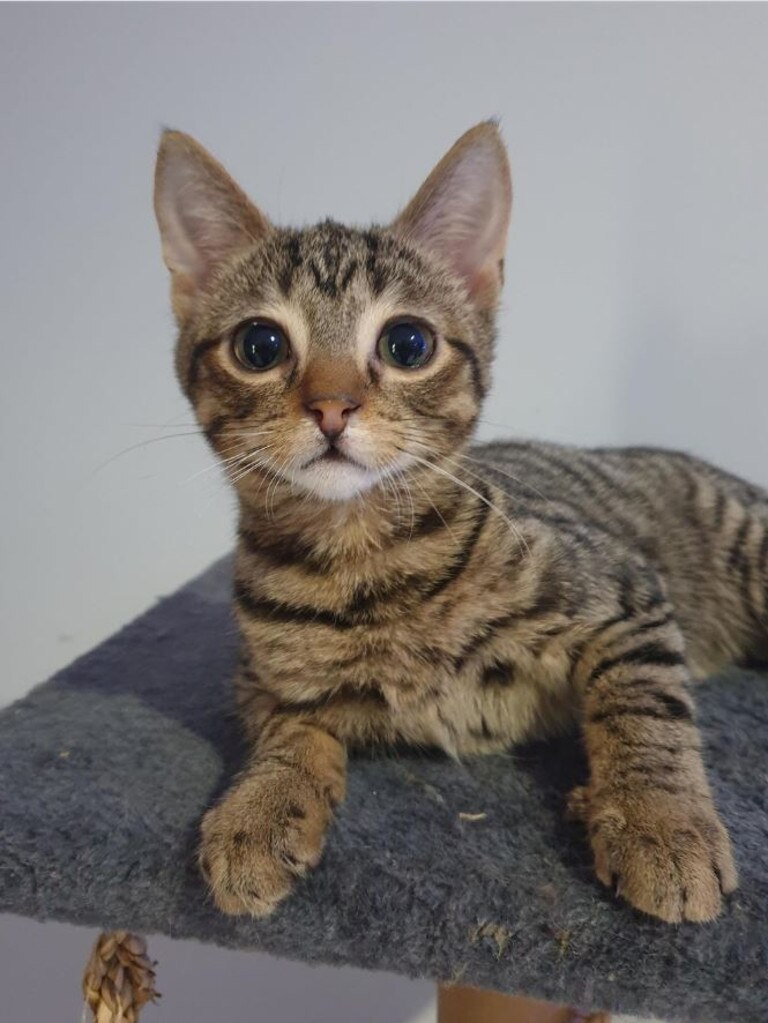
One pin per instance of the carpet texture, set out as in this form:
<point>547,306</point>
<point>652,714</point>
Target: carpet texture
<point>106,769</point>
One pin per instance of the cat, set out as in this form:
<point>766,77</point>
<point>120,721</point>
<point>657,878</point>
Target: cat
<point>395,584</point>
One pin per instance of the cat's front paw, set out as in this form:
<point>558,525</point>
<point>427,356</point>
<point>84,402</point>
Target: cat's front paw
<point>668,855</point>
<point>265,833</point>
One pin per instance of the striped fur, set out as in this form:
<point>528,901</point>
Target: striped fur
<point>474,597</point>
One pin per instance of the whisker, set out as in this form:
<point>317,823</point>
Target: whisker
<point>141,444</point>
<point>220,463</point>
<point>254,460</point>
<point>401,475</point>
<point>509,475</point>
<point>491,467</point>
<point>265,473</point>
<point>223,462</point>
<point>499,426</point>
<point>462,483</point>
<point>198,432</point>
<point>272,489</point>
<point>391,488</point>
<point>436,509</point>
<point>270,474</point>
<point>160,426</point>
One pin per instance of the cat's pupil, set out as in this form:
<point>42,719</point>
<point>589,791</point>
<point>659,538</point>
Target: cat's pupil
<point>407,345</point>
<point>261,345</point>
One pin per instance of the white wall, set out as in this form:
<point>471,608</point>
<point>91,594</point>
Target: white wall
<point>636,308</point>
<point>41,966</point>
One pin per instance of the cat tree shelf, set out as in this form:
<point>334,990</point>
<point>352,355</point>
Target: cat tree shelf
<point>456,872</point>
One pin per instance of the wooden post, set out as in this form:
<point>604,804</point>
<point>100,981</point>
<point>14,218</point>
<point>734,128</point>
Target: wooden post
<point>471,1005</point>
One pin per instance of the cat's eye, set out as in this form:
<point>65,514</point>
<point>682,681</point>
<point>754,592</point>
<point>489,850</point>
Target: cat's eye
<point>406,345</point>
<point>260,346</point>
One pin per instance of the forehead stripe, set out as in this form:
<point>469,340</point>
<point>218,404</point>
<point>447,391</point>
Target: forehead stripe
<point>293,262</point>
<point>376,276</point>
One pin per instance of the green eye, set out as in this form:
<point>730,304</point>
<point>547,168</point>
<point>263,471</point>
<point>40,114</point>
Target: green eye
<point>406,345</point>
<point>260,346</point>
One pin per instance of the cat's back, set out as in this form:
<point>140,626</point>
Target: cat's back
<point>702,529</point>
<point>604,483</point>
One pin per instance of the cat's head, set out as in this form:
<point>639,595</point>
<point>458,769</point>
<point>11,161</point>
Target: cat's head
<point>332,359</point>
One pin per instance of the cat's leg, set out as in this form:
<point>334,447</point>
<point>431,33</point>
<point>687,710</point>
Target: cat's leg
<point>269,828</point>
<point>655,834</point>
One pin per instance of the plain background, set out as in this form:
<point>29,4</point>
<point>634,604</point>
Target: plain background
<point>636,309</point>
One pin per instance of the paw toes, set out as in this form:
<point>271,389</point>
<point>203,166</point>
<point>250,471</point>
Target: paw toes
<point>296,866</point>
<point>258,842</point>
<point>672,871</point>
<point>719,845</point>
<point>255,888</point>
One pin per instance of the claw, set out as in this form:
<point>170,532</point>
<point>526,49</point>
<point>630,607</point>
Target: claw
<point>719,876</point>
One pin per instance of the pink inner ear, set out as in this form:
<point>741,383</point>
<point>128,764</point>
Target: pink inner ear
<point>204,217</point>
<point>464,220</point>
<point>199,228</point>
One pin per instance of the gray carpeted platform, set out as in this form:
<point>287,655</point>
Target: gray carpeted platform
<point>105,771</point>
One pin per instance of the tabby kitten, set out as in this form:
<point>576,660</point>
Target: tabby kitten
<point>391,586</point>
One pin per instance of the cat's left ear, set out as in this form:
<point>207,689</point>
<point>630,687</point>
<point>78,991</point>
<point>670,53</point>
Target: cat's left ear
<point>461,212</point>
<point>203,216</point>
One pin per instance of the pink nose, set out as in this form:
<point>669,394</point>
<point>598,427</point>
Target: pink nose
<point>332,413</point>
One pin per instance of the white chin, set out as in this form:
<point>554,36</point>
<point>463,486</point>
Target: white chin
<point>335,481</point>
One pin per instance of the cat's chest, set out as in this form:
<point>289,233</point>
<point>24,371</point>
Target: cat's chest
<point>455,651</point>
<point>467,688</point>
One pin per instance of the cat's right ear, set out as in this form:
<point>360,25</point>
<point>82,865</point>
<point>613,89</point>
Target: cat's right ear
<point>203,216</point>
